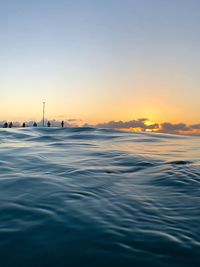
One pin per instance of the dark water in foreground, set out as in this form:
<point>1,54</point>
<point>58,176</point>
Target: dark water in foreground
<point>88,197</point>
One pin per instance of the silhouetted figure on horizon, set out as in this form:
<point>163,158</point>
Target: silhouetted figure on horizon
<point>10,124</point>
<point>34,124</point>
<point>62,124</point>
<point>48,124</point>
<point>23,124</point>
<point>5,125</point>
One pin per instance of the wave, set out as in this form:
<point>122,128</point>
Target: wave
<point>98,197</point>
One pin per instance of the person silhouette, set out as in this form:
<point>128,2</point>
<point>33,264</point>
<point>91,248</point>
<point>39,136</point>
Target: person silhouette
<point>62,124</point>
<point>48,124</point>
<point>34,124</point>
<point>23,124</point>
<point>10,124</point>
<point>5,125</point>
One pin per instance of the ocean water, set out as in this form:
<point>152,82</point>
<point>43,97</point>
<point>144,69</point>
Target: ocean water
<point>96,197</point>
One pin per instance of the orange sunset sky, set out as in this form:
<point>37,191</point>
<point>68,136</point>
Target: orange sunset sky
<point>100,60</point>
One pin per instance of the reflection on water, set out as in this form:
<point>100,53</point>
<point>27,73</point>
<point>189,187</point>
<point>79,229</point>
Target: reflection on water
<point>96,197</point>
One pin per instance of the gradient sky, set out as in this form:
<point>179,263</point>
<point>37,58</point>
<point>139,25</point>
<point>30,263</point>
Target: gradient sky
<point>100,60</point>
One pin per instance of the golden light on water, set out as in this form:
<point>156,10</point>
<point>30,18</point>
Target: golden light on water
<point>135,129</point>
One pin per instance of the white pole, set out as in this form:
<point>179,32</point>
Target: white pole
<point>43,112</point>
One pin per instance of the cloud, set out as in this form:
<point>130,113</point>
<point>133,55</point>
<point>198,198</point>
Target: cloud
<point>132,124</point>
<point>73,120</point>
<point>64,117</point>
<point>168,127</point>
<point>143,125</point>
<point>195,126</point>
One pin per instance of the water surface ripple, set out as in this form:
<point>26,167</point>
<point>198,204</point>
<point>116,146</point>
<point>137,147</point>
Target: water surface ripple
<point>97,197</point>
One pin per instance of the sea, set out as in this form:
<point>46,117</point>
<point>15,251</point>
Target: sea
<point>89,197</point>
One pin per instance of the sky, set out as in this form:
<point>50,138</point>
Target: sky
<point>100,60</point>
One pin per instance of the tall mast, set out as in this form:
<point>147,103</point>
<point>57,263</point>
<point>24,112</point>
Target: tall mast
<point>43,113</point>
